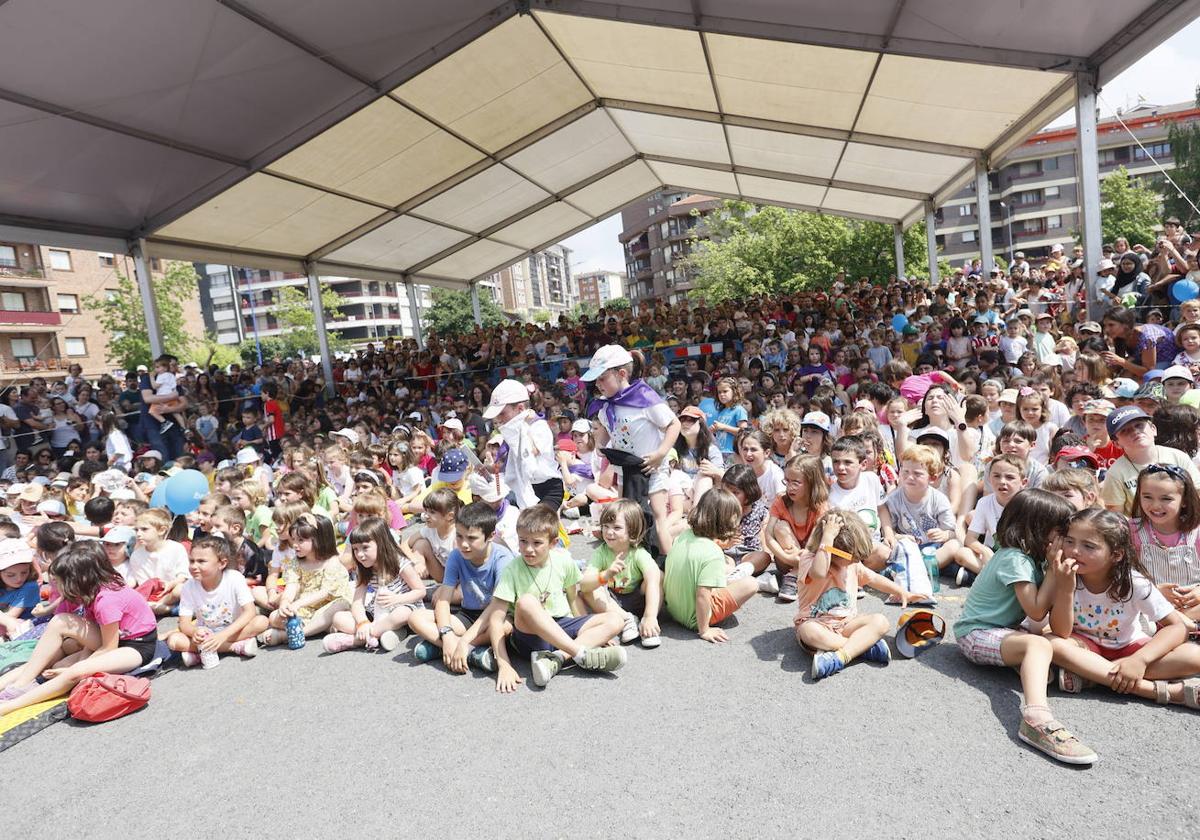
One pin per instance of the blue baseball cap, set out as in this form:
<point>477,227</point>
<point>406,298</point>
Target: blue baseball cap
<point>1122,417</point>
<point>453,465</point>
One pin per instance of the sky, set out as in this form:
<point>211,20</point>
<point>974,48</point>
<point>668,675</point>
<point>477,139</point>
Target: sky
<point>1165,76</point>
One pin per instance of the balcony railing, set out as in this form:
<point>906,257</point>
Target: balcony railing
<point>22,272</point>
<point>12,316</point>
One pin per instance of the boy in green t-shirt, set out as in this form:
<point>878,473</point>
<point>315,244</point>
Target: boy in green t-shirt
<point>540,590</point>
<point>695,585</point>
<point>622,575</point>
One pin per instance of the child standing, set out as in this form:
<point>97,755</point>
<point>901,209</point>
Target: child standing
<point>827,622</point>
<point>116,633</point>
<point>633,418</point>
<point>1019,583</point>
<point>540,591</point>
<point>622,575</point>
<point>1095,619</point>
<point>388,592</point>
<point>216,610</point>
<point>730,415</point>
<point>697,590</point>
<point>316,584</point>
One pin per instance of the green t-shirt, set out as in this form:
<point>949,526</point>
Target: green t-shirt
<point>548,582</point>
<point>259,523</point>
<point>692,562</point>
<point>635,567</point>
<point>992,602</point>
<point>326,500</point>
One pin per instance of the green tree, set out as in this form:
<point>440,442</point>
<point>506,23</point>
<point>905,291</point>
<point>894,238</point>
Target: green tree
<point>1128,208</point>
<point>121,315</point>
<point>1185,150</point>
<point>618,303</point>
<point>451,313</point>
<point>871,251</point>
<point>216,353</point>
<point>540,316</point>
<point>298,322</point>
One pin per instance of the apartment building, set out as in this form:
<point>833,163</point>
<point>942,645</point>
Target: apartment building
<point>240,303</point>
<point>657,233</point>
<point>45,325</point>
<point>1034,194</point>
<point>541,282</point>
<point>599,287</point>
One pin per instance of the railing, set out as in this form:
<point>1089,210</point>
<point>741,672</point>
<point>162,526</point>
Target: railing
<point>12,316</point>
<point>23,273</point>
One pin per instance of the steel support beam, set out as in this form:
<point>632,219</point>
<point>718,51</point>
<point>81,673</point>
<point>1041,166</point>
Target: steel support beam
<point>898,244</point>
<point>475,304</point>
<point>141,270</point>
<point>1087,173</point>
<point>983,212</point>
<point>931,243</point>
<point>415,314</point>
<point>314,296</point>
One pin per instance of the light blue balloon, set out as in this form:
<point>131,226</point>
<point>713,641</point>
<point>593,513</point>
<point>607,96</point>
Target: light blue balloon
<point>899,321</point>
<point>1182,290</point>
<point>158,498</point>
<point>184,490</point>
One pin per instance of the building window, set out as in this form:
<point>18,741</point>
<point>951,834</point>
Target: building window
<point>1052,192</point>
<point>968,236</point>
<point>60,260</point>
<point>1029,197</point>
<point>8,256</point>
<point>1027,168</point>
<point>68,303</point>
<point>1053,222</point>
<point>106,260</point>
<point>966,209</point>
<point>1155,150</point>
<point>110,294</point>
<point>22,348</point>
<point>1050,164</point>
<point>12,302</point>
<point>76,346</point>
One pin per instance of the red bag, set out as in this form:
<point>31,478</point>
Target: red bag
<point>102,697</point>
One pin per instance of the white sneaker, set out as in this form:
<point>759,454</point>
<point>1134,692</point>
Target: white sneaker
<point>740,571</point>
<point>651,641</point>
<point>570,513</point>
<point>190,660</point>
<point>630,632</point>
<point>389,640</point>
<point>768,583</point>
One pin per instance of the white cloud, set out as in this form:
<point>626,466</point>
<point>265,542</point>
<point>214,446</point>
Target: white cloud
<point>597,248</point>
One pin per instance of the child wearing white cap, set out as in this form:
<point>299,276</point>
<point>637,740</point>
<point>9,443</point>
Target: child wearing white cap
<point>633,418</point>
<point>530,468</point>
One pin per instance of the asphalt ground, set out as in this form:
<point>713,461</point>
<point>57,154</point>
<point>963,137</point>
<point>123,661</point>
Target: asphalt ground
<point>690,739</point>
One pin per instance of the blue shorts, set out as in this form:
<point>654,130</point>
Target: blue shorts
<point>526,643</point>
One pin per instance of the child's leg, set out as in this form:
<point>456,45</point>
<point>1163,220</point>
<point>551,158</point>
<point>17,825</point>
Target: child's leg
<point>257,625</point>
<point>50,647</point>
<point>1032,655</point>
<point>782,532</point>
<point>393,620</point>
<point>424,624</point>
<point>700,485</point>
<point>730,598</point>
<point>858,634</point>
<point>532,618</point>
<point>953,551</point>
<point>120,660</point>
<point>1074,655</point>
<point>323,618</point>
<point>179,642</point>
<point>760,560</point>
<point>662,527</point>
<point>878,558</point>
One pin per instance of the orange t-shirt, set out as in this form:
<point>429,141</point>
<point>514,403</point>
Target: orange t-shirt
<point>783,512</point>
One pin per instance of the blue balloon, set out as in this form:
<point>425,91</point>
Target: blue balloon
<point>899,322</point>
<point>158,498</point>
<point>1182,290</point>
<point>184,490</point>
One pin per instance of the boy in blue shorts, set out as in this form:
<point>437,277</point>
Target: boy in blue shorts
<point>540,591</point>
<point>472,569</point>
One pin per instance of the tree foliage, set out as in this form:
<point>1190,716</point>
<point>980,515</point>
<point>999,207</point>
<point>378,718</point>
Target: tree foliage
<point>297,327</point>
<point>540,316</point>
<point>1185,149</point>
<point>121,315</point>
<point>773,250</point>
<point>1127,208</point>
<point>618,303</point>
<point>451,313</point>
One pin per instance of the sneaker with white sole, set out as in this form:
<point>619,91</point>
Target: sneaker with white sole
<point>878,652</point>
<point>604,659</point>
<point>651,641</point>
<point>788,591</point>
<point>768,583</point>
<point>481,657</point>
<point>247,648</point>
<point>964,577</point>
<point>189,659</point>
<point>629,631</point>
<point>1055,741</point>
<point>741,570</point>
<point>389,640</point>
<point>338,642</point>
<point>545,664</point>
<point>209,659</point>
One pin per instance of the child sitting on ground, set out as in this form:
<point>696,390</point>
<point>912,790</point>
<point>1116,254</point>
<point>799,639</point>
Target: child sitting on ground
<point>316,584</point>
<point>539,591</point>
<point>1019,582</point>
<point>429,545</point>
<point>827,622</point>
<point>698,593</point>
<point>387,593</point>
<point>857,489</point>
<point>1006,474</point>
<point>793,516</point>
<point>216,611</point>
<point>1078,486</point>
<point>19,592</point>
<point>472,569</point>
<point>159,566</point>
<point>921,513</point>
<point>1098,637</point>
<point>622,575</point>
<point>741,481</point>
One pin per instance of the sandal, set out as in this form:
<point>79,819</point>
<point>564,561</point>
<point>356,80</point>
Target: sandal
<point>1162,692</point>
<point>1191,693</point>
<point>1070,682</point>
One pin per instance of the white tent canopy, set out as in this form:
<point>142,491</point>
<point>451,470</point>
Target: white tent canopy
<point>438,142</point>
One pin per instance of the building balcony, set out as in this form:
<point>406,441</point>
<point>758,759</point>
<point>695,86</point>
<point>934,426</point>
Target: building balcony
<point>10,318</point>
<point>639,248</point>
<point>644,274</point>
<point>29,277</point>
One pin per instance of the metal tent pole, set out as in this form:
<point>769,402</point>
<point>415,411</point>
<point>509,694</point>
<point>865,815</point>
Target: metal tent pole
<point>141,268</point>
<point>314,299</point>
<point>931,243</point>
<point>983,212</point>
<point>1087,171</point>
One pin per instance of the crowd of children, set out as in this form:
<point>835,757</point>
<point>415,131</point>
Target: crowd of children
<point>792,471</point>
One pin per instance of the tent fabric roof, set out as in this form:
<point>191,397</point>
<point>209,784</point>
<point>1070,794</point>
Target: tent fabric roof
<point>441,141</point>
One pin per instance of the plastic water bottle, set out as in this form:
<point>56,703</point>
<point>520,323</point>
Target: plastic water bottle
<point>929,555</point>
<point>295,633</point>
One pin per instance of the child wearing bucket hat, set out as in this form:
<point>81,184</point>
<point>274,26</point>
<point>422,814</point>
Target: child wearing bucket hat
<point>832,570</point>
<point>19,592</point>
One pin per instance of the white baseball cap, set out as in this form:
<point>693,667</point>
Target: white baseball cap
<point>13,552</point>
<point>453,423</point>
<point>1178,372</point>
<point>606,358</point>
<point>819,419</point>
<point>509,391</point>
<point>348,434</point>
<point>582,425</point>
<point>249,455</point>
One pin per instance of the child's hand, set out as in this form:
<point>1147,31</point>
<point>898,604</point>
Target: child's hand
<point>362,633</point>
<point>1125,674</point>
<point>652,462</point>
<point>937,535</point>
<point>830,530</point>
<point>455,655</point>
<point>906,597</point>
<point>649,627</point>
<point>507,679</point>
<point>211,641</point>
<point>286,609</point>
<point>977,549</point>
<point>715,635</point>
<point>1188,596</point>
<point>616,567</point>
<point>387,598</point>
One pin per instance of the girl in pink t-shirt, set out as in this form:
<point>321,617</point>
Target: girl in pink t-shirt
<point>116,633</point>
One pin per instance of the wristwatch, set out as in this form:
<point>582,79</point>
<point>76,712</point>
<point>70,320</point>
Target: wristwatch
<point>962,427</point>
<point>442,631</point>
